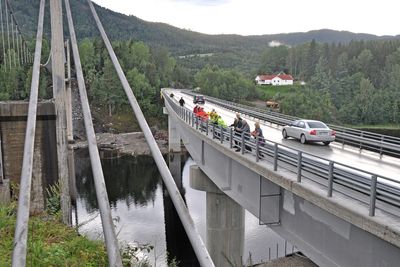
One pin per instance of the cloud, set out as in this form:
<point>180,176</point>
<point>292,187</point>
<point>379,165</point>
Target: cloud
<point>203,2</point>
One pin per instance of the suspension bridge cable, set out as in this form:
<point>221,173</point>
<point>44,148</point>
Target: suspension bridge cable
<point>2,34</point>
<point>180,206</point>
<point>17,41</point>
<point>20,49</point>
<point>8,36</point>
<point>13,39</point>
<point>21,228</point>
<point>18,30</point>
<point>114,257</point>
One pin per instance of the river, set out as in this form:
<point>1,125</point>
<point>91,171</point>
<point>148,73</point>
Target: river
<point>144,213</point>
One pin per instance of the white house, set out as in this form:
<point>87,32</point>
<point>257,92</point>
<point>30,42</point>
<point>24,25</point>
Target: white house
<point>278,79</point>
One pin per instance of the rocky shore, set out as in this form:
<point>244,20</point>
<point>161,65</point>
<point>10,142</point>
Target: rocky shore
<point>133,144</point>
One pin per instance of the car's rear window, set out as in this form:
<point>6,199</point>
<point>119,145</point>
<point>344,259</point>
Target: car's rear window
<point>316,124</point>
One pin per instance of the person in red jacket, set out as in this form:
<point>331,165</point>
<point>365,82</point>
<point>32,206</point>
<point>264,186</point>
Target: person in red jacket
<point>196,109</point>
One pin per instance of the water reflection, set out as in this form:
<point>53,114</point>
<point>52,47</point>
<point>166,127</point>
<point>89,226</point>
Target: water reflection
<point>133,180</point>
<point>145,213</point>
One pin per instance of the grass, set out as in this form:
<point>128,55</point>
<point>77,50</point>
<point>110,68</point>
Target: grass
<point>270,92</point>
<point>50,243</point>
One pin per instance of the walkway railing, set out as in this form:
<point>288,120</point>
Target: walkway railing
<point>372,189</point>
<point>382,144</point>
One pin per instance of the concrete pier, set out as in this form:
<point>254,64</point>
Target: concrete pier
<point>224,221</point>
<point>13,117</point>
<point>174,138</point>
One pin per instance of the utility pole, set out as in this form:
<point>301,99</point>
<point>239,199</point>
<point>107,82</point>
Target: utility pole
<point>59,94</point>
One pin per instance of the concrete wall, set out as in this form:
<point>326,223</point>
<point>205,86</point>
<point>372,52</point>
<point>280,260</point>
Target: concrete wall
<point>13,117</point>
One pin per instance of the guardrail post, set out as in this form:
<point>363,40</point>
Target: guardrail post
<point>299,165</point>
<point>197,123</point>
<point>257,149</point>
<point>372,200</point>
<point>380,150</point>
<point>192,119</point>
<point>330,179</point>
<point>361,135</point>
<point>213,130</point>
<point>242,144</point>
<point>275,157</point>
<point>231,137</point>
<point>221,134</point>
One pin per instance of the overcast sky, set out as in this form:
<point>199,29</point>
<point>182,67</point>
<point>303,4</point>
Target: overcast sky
<point>255,17</point>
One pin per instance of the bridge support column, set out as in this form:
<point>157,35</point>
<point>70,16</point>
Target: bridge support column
<point>225,222</point>
<point>174,139</point>
<point>175,167</point>
<point>59,94</point>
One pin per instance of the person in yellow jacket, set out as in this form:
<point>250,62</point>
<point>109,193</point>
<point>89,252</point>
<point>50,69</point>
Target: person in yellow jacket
<point>220,122</point>
<point>213,116</point>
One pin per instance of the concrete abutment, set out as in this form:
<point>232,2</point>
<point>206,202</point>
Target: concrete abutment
<point>13,119</point>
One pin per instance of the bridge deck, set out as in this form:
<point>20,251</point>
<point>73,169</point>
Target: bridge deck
<point>366,160</point>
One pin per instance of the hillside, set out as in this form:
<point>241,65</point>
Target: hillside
<point>228,51</point>
<point>179,41</point>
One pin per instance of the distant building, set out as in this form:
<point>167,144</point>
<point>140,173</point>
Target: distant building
<point>274,79</point>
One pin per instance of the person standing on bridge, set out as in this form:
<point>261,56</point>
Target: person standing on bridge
<point>244,130</point>
<point>237,123</point>
<point>258,133</point>
<point>181,102</point>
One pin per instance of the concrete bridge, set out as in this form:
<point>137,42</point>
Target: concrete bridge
<point>325,218</point>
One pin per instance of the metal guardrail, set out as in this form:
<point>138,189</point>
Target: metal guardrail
<point>382,144</point>
<point>374,190</point>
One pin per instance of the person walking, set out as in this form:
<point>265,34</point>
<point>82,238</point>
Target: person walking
<point>181,102</point>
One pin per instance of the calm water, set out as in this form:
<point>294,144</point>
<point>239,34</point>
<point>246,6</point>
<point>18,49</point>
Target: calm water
<point>143,211</point>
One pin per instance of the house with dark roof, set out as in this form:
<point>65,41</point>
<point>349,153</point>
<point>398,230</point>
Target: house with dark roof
<point>274,79</point>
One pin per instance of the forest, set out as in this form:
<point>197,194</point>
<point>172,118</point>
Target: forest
<point>353,84</point>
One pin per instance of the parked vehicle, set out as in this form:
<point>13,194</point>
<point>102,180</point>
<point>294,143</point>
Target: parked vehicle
<point>309,131</point>
<point>199,99</point>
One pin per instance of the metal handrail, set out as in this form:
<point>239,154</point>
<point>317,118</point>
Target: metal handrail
<point>336,177</point>
<point>180,206</point>
<point>114,257</point>
<point>383,144</point>
<point>21,227</point>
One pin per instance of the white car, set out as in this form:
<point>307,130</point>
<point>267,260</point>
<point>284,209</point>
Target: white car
<point>309,131</point>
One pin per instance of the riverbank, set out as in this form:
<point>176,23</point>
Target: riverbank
<point>50,243</point>
<point>133,144</point>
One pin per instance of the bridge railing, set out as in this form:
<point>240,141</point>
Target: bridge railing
<point>382,144</point>
<point>372,189</point>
